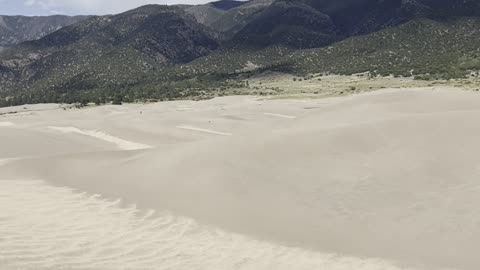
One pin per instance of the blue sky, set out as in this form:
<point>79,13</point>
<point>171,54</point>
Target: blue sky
<point>78,7</point>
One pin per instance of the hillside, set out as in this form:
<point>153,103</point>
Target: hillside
<point>289,23</point>
<point>205,14</point>
<point>208,14</point>
<point>227,17</point>
<point>227,4</point>
<point>105,52</point>
<point>17,29</point>
<point>163,53</point>
<point>310,24</point>
<point>424,48</point>
<point>234,20</point>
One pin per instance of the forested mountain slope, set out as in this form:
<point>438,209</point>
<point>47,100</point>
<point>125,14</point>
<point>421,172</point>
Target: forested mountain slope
<point>164,52</point>
<point>17,29</point>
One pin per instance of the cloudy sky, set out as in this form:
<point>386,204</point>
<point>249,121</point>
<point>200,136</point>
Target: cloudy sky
<point>76,7</point>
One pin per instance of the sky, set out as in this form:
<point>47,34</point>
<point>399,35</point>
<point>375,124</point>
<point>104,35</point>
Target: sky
<point>79,7</point>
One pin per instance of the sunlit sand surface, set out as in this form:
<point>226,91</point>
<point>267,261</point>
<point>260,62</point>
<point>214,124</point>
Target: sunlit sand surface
<point>45,227</point>
<point>386,180</point>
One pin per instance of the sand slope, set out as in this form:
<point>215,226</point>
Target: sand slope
<point>390,174</point>
<point>56,228</point>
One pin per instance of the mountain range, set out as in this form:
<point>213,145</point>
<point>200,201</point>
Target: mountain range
<point>17,29</point>
<point>310,23</point>
<point>166,52</point>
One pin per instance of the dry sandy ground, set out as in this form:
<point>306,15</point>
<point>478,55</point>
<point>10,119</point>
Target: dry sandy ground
<point>320,86</point>
<point>385,180</point>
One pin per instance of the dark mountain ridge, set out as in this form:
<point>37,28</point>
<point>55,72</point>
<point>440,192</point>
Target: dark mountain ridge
<point>315,23</point>
<point>107,51</point>
<point>227,4</point>
<point>166,52</point>
<point>17,29</point>
<point>227,17</point>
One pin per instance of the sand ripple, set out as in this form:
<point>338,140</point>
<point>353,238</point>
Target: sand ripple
<point>44,227</point>
<point>121,143</point>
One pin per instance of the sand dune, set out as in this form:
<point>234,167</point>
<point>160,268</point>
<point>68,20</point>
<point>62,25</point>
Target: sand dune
<point>120,143</point>
<point>391,175</point>
<point>204,130</point>
<point>44,227</point>
<point>4,161</point>
<point>6,124</point>
<point>280,115</point>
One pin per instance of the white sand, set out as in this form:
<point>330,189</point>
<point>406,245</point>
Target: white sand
<point>4,161</point>
<point>120,143</point>
<point>391,175</point>
<point>6,124</point>
<point>281,115</point>
<point>203,130</point>
<point>44,227</point>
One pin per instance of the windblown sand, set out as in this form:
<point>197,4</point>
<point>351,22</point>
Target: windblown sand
<point>384,180</point>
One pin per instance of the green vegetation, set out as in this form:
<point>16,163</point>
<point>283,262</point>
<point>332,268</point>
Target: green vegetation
<point>160,53</point>
<point>423,48</point>
<point>139,92</point>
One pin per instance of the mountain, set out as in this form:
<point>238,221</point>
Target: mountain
<point>209,13</point>
<point>310,24</point>
<point>167,52</point>
<point>105,52</point>
<point>423,48</point>
<point>226,4</point>
<point>290,23</point>
<point>17,29</point>
<point>235,19</point>
<point>205,14</point>
<point>228,17</point>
